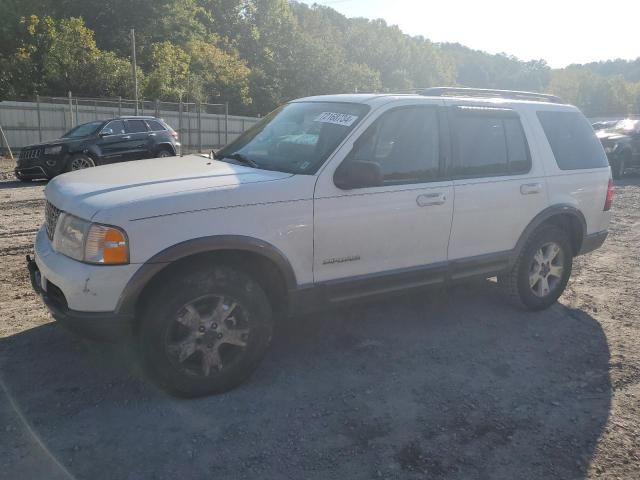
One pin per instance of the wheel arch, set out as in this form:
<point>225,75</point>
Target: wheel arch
<point>564,216</point>
<point>256,256</point>
<point>166,146</point>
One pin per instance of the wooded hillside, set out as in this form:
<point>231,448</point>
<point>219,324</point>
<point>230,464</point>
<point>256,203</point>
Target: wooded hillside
<point>257,54</point>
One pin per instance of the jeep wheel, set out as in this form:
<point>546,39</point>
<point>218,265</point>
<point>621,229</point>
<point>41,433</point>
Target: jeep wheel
<point>206,331</point>
<point>165,152</point>
<point>619,166</point>
<point>542,270</point>
<point>80,162</point>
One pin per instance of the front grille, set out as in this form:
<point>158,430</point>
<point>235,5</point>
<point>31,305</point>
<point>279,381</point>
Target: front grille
<point>51,215</point>
<point>28,154</point>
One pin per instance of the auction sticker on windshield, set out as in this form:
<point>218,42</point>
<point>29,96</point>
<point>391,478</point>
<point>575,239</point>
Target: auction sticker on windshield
<point>343,119</point>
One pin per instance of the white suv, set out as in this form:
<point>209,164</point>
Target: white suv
<point>327,200</point>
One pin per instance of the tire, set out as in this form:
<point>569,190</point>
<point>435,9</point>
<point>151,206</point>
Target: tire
<point>205,331</point>
<point>619,166</point>
<point>165,152</point>
<point>534,283</point>
<point>79,162</point>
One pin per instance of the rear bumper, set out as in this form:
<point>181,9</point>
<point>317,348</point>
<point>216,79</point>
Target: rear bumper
<point>593,241</point>
<point>94,325</point>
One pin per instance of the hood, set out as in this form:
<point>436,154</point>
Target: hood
<point>57,141</point>
<point>611,135</point>
<point>153,187</point>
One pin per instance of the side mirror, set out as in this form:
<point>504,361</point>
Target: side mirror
<point>106,132</point>
<point>358,174</point>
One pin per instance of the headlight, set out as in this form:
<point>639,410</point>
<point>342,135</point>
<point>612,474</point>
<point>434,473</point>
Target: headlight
<point>53,150</point>
<point>90,242</point>
<point>611,148</point>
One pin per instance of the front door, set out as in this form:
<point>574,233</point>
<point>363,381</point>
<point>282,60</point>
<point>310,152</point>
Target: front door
<point>394,234</point>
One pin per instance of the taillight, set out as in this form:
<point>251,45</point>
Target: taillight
<point>609,201</point>
<point>174,134</point>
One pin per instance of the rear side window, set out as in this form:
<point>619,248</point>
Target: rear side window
<point>117,126</point>
<point>572,140</point>
<point>155,126</point>
<point>489,144</point>
<point>136,126</point>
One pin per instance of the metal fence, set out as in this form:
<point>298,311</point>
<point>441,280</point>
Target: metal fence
<point>201,126</point>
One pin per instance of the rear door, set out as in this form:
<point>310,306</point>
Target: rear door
<point>111,142</point>
<point>137,138</point>
<point>498,190</point>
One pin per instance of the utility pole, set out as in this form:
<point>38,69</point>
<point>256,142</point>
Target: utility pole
<point>133,67</point>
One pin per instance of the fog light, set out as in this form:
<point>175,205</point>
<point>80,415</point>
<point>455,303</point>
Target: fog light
<point>51,163</point>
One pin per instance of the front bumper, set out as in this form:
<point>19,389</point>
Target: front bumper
<point>40,167</point>
<point>30,173</point>
<point>82,297</point>
<point>94,325</point>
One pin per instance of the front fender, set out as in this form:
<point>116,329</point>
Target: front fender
<point>195,246</point>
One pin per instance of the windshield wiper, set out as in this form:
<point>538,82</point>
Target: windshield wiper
<point>238,157</point>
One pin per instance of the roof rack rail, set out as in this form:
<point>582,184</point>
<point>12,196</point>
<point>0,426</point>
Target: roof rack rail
<point>488,93</point>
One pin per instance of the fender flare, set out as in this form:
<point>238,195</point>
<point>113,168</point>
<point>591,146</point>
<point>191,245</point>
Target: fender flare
<point>141,278</point>
<point>546,214</point>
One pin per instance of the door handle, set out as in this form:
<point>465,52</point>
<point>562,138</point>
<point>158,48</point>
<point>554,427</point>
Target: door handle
<point>430,199</point>
<point>152,134</point>
<point>128,137</point>
<point>530,188</point>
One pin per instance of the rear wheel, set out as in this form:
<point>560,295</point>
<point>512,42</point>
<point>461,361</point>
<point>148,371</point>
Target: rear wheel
<point>80,162</point>
<point>205,331</point>
<point>618,167</point>
<point>542,270</point>
<point>165,152</point>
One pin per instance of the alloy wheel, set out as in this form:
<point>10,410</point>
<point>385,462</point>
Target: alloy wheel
<point>546,269</point>
<point>209,335</point>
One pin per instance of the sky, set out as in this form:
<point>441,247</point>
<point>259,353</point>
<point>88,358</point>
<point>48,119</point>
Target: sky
<point>561,32</point>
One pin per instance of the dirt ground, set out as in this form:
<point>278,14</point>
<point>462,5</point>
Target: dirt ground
<point>442,385</point>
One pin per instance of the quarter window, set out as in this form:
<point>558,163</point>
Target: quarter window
<point>405,143</point>
<point>573,141</point>
<point>489,144</point>
<point>136,126</point>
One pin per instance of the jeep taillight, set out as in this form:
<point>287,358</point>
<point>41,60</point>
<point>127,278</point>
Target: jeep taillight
<point>174,134</point>
<point>609,201</point>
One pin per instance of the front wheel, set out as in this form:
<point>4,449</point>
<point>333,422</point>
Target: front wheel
<point>80,162</point>
<point>542,270</point>
<point>205,330</point>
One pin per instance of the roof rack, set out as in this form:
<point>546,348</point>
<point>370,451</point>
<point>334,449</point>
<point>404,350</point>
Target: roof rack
<point>488,93</point>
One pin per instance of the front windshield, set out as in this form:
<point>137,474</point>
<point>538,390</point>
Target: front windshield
<point>83,130</point>
<point>297,137</point>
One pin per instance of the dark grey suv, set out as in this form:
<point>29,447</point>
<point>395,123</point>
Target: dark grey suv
<point>98,143</point>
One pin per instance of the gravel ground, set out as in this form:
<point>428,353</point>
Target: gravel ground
<point>442,385</point>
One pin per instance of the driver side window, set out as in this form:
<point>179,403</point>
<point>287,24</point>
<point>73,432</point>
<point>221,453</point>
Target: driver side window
<point>404,142</point>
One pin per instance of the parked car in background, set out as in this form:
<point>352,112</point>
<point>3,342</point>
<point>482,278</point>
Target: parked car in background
<point>604,124</point>
<point>98,143</point>
<point>621,142</point>
<point>327,200</point>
